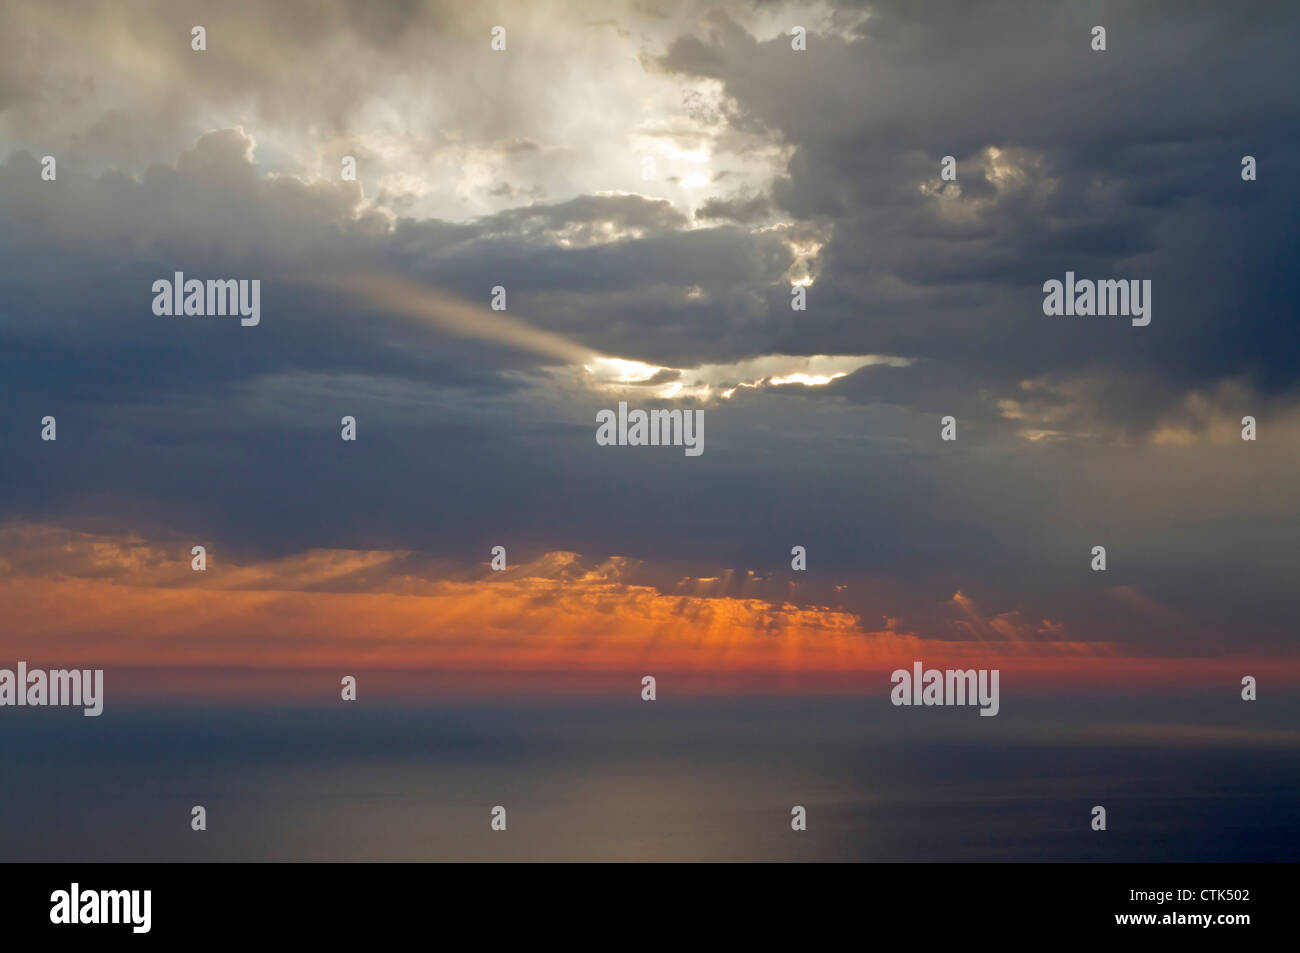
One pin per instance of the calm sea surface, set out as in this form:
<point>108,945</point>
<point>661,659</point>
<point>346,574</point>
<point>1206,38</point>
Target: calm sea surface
<point>629,780</point>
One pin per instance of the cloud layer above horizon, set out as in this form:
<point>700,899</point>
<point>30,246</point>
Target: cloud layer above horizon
<point>648,180</point>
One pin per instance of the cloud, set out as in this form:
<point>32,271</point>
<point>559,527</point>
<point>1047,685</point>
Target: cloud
<point>1046,183</point>
<point>671,281</point>
<point>126,602</point>
<point>741,209</point>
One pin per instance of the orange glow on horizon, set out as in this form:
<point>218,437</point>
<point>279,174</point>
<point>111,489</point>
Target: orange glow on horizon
<point>78,600</point>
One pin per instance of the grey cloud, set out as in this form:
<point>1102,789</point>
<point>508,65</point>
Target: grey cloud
<point>1099,183</point>
<point>741,209</point>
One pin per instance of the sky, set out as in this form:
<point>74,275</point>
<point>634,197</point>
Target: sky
<point>648,181</point>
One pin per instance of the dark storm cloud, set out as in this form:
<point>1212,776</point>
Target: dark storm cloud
<point>1121,164</point>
